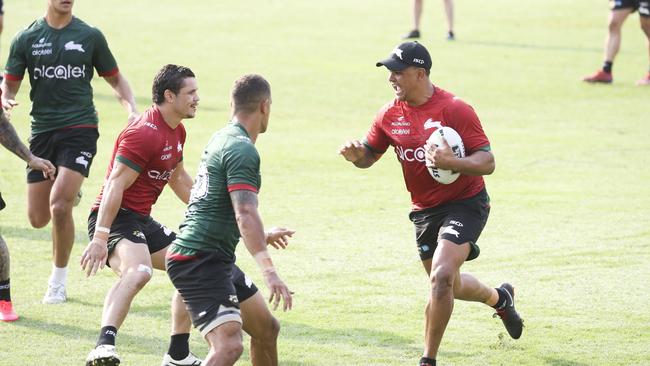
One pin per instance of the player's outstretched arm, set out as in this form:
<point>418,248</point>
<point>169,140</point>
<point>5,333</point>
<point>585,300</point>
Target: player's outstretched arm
<point>181,183</point>
<point>9,90</point>
<point>9,139</point>
<point>358,154</point>
<point>124,94</point>
<point>96,252</point>
<point>244,203</point>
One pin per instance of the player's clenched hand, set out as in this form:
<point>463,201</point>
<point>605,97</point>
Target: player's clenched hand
<point>278,290</point>
<point>43,165</point>
<point>133,116</point>
<point>94,257</point>
<point>278,237</point>
<point>353,150</point>
<point>8,104</point>
<point>441,157</point>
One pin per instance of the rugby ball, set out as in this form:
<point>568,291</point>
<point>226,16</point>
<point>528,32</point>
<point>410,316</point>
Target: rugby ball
<point>456,143</point>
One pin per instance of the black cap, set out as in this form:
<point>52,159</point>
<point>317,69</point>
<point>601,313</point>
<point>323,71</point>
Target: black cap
<point>405,55</point>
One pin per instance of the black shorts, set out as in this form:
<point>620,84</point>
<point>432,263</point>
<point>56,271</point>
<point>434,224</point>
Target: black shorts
<point>135,228</point>
<point>73,148</point>
<point>212,288</point>
<point>457,221</point>
<point>2,11</point>
<point>643,6</point>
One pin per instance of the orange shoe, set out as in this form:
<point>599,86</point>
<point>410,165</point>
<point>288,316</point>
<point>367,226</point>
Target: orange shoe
<point>599,76</point>
<point>7,313</point>
<point>644,81</point>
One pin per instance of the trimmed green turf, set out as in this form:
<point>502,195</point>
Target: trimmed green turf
<point>570,224</point>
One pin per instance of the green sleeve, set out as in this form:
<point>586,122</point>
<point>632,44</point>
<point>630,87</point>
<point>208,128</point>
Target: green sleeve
<point>103,59</point>
<point>17,61</point>
<point>242,164</point>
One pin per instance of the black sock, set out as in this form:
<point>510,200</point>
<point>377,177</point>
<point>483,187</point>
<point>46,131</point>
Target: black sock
<point>179,346</point>
<point>607,66</point>
<point>107,335</point>
<point>4,291</point>
<point>503,298</point>
<point>427,361</point>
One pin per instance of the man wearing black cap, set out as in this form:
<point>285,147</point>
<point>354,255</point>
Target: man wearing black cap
<point>448,218</point>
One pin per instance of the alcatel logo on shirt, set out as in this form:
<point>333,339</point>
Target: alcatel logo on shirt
<point>59,72</point>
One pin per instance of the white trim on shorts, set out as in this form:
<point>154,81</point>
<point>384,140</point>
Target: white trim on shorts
<point>233,315</point>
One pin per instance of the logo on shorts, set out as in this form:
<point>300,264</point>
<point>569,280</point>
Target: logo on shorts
<point>166,230</point>
<point>71,46</point>
<point>456,223</point>
<point>201,314</point>
<point>81,160</point>
<point>449,230</point>
<point>248,281</point>
<point>233,299</point>
<point>424,248</point>
<point>139,234</point>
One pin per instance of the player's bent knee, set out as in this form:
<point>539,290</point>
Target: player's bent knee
<point>38,219</point>
<point>61,209</point>
<point>442,279</point>
<point>271,332</point>
<point>139,277</point>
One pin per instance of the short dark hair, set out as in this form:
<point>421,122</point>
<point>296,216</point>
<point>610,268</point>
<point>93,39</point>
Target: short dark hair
<point>170,77</point>
<point>248,91</point>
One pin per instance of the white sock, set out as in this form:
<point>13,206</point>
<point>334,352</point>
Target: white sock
<point>59,275</point>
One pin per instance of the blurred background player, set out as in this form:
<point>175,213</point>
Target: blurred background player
<point>147,156</point>
<point>417,16</point>
<point>449,218</point>
<point>223,208</point>
<point>620,10</point>
<point>9,139</point>
<point>59,51</point>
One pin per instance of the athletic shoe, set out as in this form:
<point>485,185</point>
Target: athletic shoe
<point>190,360</point>
<point>7,313</point>
<point>103,355</point>
<point>55,294</point>
<point>450,36</point>
<point>644,81</point>
<point>412,34</point>
<point>599,76</point>
<point>509,316</point>
<point>77,199</point>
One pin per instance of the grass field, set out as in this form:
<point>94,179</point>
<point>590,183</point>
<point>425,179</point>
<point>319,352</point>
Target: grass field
<point>570,224</point>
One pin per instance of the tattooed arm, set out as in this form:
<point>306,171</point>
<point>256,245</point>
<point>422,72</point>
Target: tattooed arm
<point>9,139</point>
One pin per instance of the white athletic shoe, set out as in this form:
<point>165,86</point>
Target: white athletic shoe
<point>190,360</point>
<point>55,294</point>
<point>103,355</point>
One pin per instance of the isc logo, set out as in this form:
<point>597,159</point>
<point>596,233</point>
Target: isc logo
<point>164,175</point>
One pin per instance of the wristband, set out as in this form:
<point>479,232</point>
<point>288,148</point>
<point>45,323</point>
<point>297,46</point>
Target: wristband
<point>264,261</point>
<point>103,229</point>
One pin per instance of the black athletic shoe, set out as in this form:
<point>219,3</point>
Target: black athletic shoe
<point>412,34</point>
<point>451,36</point>
<point>509,316</point>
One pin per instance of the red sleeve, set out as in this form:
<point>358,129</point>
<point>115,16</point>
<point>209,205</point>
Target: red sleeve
<point>462,118</point>
<point>136,148</point>
<point>376,138</point>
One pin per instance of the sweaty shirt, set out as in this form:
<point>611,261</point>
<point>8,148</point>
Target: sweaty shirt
<point>60,65</point>
<point>407,129</point>
<point>153,149</point>
<point>229,162</point>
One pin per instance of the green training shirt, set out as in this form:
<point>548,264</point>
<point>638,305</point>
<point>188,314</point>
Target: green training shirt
<point>230,162</point>
<point>60,64</point>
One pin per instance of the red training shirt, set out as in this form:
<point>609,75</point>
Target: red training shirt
<point>153,149</point>
<point>407,129</point>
